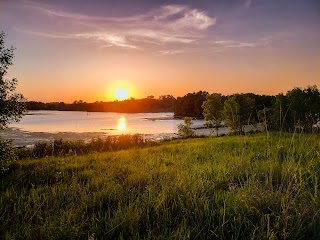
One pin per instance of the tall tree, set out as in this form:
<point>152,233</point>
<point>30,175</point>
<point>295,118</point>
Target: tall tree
<point>237,111</point>
<point>304,106</point>
<point>212,110</point>
<point>12,104</point>
<point>190,105</point>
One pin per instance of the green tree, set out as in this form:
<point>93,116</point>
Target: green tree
<point>190,105</point>
<point>276,116</point>
<point>281,116</point>
<point>12,104</point>
<point>237,111</point>
<point>212,110</point>
<point>298,109</point>
<point>184,129</point>
<point>304,106</point>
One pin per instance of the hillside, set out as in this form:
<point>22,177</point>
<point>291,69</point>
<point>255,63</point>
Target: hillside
<point>247,187</point>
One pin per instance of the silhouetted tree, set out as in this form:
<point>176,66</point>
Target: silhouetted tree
<point>190,105</point>
<point>165,104</point>
<point>12,104</point>
<point>304,107</point>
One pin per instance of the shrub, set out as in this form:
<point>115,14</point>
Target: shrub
<point>184,129</point>
<point>7,154</point>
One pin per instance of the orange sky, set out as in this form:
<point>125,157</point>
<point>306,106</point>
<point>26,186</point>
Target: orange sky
<point>72,51</point>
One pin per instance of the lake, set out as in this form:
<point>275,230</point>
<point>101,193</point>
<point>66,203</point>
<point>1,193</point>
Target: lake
<point>48,125</point>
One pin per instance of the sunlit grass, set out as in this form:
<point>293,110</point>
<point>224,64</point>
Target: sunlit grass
<point>255,187</point>
<point>60,147</point>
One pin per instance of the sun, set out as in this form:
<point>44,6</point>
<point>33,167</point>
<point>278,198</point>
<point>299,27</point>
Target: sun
<point>121,93</point>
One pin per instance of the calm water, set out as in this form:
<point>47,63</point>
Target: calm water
<point>111,123</point>
<point>46,125</point>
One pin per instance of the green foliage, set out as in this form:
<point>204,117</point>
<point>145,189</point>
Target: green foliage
<point>184,129</point>
<point>242,187</point>
<point>212,110</point>
<point>12,105</point>
<point>7,154</point>
<point>304,106</point>
<point>237,111</point>
<point>190,105</point>
<point>60,147</point>
<point>299,110</point>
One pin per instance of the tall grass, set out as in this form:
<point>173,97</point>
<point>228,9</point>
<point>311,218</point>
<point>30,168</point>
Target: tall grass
<point>60,147</point>
<point>241,187</point>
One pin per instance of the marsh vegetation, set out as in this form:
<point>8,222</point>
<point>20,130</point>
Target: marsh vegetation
<point>264,186</point>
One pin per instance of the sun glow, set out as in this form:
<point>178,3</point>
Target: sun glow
<point>121,93</point>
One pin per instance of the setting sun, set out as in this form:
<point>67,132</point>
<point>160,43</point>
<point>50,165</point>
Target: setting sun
<point>121,93</point>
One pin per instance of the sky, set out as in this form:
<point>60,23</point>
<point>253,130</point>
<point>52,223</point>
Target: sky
<point>78,49</point>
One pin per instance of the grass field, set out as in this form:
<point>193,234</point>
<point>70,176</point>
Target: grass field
<point>242,187</point>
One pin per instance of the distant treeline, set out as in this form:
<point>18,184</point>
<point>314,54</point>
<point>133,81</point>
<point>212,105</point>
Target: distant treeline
<point>297,108</point>
<point>191,105</point>
<point>165,103</point>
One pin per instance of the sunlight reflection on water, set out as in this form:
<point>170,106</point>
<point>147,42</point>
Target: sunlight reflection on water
<point>122,123</point>
<point>49,125</point>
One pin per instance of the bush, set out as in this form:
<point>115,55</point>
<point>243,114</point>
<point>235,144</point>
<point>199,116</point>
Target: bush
<point>184,129</point>
<point>7,154</point>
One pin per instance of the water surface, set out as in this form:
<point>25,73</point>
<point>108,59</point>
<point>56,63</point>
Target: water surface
<point>48,125</point>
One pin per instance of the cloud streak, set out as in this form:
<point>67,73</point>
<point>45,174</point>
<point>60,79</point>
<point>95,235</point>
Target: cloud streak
<point>225,45</point>
<point>170,24</point>
<point>182,17</point>
<point>110,39</point>
<point>170,52</point>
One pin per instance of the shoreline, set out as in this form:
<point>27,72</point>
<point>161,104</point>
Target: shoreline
<point>27,139</point>
<point>22,138</point>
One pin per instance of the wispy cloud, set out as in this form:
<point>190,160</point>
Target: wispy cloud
<point>181,17</point>
<point>110,39</point>
<point>170,24</point>
<point>170,52</point>
<point>44,34</point>
<point>158,36</point>
<point>224,45</point>
<point>56,12</point>
<point>106,39</point>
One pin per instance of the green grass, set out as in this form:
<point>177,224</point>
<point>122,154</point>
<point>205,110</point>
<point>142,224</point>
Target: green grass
<point>62,148</point>
<point>241,187</point>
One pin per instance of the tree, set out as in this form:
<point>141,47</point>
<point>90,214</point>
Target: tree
<point>304,106</point>
<point>12,104</point>
<point>184,129</point>
<point>190,105</point>
<point>212,110</point>
<point>280,117</point>
<point>237,111</point>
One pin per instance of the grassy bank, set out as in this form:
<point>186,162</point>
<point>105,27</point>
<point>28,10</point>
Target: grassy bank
<point>62,148</point>
<point>221,188</point>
